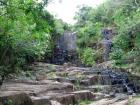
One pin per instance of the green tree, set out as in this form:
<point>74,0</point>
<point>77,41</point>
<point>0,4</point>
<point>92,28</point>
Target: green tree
<point>25,33</point>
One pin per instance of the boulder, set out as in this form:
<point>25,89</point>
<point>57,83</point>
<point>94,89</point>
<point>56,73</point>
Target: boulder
<point>15,98</point>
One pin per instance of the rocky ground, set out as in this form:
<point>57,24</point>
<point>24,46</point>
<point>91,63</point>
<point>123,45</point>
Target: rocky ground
<point>47,84</point>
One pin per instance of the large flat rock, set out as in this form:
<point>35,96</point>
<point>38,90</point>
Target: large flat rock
<point>35,89</point>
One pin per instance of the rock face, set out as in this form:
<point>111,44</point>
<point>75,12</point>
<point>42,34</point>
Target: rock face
<point>63,85</point>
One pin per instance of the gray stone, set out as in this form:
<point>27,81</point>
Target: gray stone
<point>40,101</point>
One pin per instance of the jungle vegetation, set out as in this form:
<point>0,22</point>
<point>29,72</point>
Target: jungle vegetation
<point>27,32</point>
<point>123,17</point>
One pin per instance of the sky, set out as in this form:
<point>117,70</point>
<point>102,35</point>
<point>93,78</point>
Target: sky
<point>65,9</point>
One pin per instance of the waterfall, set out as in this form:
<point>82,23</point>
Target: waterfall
<point>110,77</point>
<point>107,43</point>
<point>65,48</point>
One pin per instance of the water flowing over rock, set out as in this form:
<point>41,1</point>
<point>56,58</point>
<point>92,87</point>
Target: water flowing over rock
<point>65,49</point>
<point>68,41</point>
<point>106,43</point>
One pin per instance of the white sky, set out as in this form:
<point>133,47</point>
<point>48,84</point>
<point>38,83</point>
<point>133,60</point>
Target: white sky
<point>65,9</point>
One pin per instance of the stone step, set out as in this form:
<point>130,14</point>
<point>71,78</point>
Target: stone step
<point>69,98</point>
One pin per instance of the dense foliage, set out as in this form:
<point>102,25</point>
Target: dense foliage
<point>123,17</point>
<point>25,33</point>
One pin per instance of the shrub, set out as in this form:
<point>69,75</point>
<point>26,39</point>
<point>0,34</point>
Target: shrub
<point>87,57</point>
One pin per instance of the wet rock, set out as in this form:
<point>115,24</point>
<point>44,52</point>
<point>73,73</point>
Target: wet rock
<point>16,98</point>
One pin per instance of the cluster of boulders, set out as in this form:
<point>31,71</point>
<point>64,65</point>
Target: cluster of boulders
<point>47,84</point>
